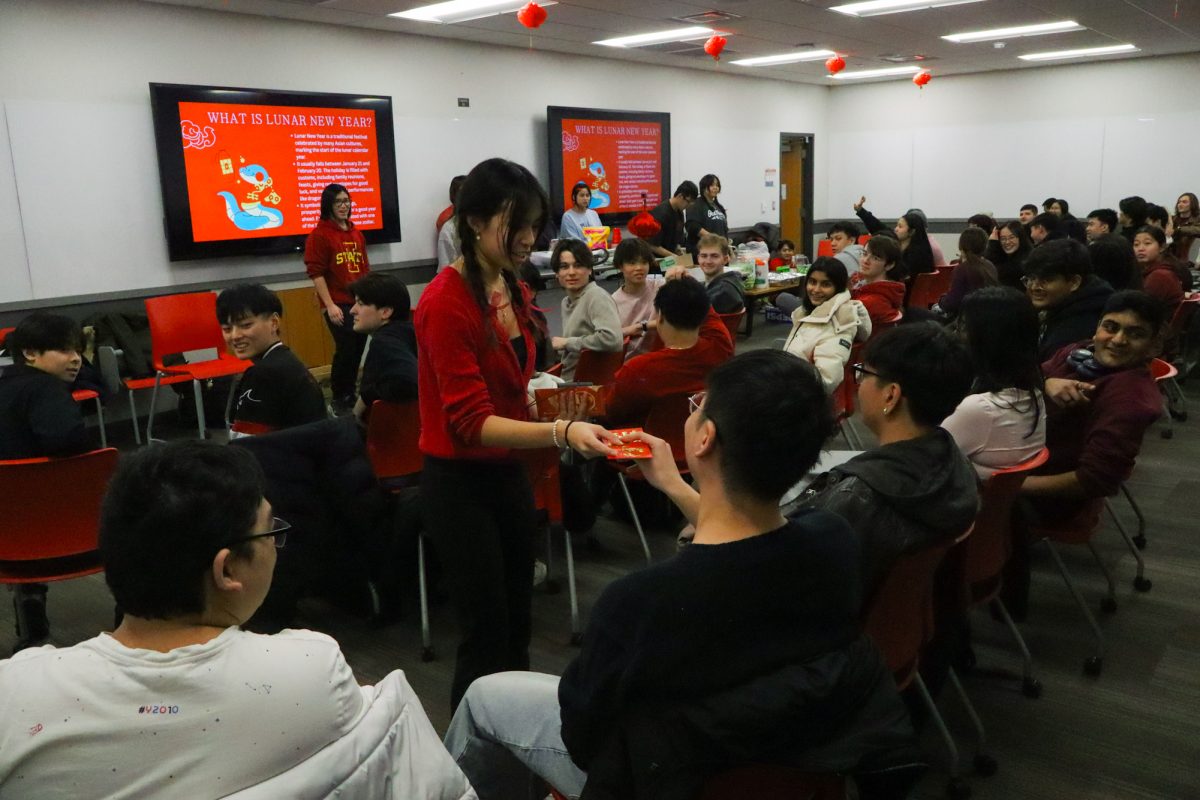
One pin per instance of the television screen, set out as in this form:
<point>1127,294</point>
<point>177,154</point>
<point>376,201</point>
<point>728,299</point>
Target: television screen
<point>620,155</point>
<point>242,170</point>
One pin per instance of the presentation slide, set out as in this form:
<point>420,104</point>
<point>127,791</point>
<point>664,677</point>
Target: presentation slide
<point>617,159</point>
<point>258,170</point>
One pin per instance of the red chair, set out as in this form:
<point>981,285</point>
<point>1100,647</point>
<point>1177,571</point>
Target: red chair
<point>83,396</point>
<point>732,322</point>
<point>986,551</point>
<point>928,287</point>
<point>183,323</point>
<point>4,332</point>
<point>598,367</point>
<point>51,534</point>
<point>665,420</point>
<point>769,781</point>
<point>824,248</point>
<point>844,397</point>
<point>883,324</point>
<point>1164,374</point>
<point>866,237</point>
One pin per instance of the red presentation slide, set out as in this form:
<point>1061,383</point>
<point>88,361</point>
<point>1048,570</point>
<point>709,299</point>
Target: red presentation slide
<point>259,170</point>
<point>617,159</point>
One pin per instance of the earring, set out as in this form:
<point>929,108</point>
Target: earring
<point>887,410</point>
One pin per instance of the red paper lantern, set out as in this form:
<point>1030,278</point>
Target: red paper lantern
<point>643,225</point>
<point>921,78</point>
<point>835,64</point>
<point>531,15</point>
<point>714,46</point>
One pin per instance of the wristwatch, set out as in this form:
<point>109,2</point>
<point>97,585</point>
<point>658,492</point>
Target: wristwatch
<point>645,326</point>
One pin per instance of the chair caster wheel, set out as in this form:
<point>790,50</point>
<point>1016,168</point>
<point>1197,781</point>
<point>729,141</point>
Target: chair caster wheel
<point>551,586</point>
<point>1032,688</point>
<point>1108,605</point>
<point>427,654</point>
<point>1142,584</point>
<point>1093,665</point>
<point>1139,541</point>
<point>985,765</point>
<point>958,789</point>
<point>576,639</point>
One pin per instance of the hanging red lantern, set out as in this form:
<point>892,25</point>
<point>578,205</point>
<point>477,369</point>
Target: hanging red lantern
<point>921,78</point>
<point>531,15</point>
<point>643,225</point>
<point>835,64</point>
<point>715,45</point>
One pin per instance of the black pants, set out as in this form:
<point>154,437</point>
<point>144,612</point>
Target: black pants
<point>347,353</point>
<point>481,518</point>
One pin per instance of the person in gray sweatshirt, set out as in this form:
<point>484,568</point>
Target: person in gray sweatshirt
<point>725,291</point>
<point>589,314</point>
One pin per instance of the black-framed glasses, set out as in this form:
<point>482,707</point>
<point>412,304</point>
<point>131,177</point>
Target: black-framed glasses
<point>345,202</point>
<point>279,529</point>
<point>861,371</point>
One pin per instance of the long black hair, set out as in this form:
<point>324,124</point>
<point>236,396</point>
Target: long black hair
<point>327,194</point>
<point>918,254</point>
<point>498,187</point>
<point>833,269</point>
<point>1001,325</point>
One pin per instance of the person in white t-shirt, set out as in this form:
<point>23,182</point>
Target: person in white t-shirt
<point>1003,421</point>
<point>179,701</point>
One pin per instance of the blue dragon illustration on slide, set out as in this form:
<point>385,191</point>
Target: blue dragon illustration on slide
<point>252,215</point>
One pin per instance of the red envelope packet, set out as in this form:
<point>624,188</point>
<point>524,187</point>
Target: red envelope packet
<point>630,449</point>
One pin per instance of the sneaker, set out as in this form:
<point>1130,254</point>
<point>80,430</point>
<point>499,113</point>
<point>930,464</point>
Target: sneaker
<point>540,570</point>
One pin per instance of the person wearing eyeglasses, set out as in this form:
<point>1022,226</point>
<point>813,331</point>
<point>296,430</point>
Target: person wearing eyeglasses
<point>179,701</point>
<point>916,489</point>
<point>1007,248</point>
<point>335,256</point>
<point>1068,297</point>
<point>655,703</point>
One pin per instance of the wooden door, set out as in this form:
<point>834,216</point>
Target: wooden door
<point>791,191</point>
<point>304,329</point>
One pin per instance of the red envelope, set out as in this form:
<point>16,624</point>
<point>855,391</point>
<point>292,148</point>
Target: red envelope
<point>630,449</point>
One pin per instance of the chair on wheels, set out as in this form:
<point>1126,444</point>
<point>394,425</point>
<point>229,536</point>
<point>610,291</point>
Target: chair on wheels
<point>986,551</point>
<point>51,535</point>
<point>543,466</point>
<point>844,397</point>
<point>899,619</point>
<point>665,420</point>
<point>732,322</point>
<point>184,323</point>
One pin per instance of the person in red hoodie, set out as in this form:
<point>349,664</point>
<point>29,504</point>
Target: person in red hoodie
<point>1159,278</point>
<point>475,354</point>
<point>335,256</point>
<point>877,284</point>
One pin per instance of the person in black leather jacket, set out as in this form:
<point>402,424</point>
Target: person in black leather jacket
<point>916,489</point>
<point>744,647</point>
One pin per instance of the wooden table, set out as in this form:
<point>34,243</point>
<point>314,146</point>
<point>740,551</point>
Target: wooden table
<point>764,292</point>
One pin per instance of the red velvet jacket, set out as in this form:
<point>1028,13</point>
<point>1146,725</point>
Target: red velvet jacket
<point>466,370</point>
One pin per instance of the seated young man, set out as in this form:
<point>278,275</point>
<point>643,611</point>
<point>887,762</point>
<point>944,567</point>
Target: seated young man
<point>843,237</point>
<point>38,419</point>
<point>694,340</point>
<point>874,284</point>
<point>741,647</point>
<point>784,256</point>
<point>179,701</point>
<point>1067,296</point>
<point>382,308</point>
<point>1046,227</point>
<point>1101,399</point>
<point>277,391</point>
<point>726,293</point>
<point>1101,222</point>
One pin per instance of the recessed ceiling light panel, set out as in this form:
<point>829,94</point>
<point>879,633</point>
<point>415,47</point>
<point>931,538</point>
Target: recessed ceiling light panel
<point>1082,53</point>
<point>784,58</point>
<point>876,73</point>
<point>673,35</point>
<point>1042,29</point>
<point>462,10</point>
<point>874,8</point>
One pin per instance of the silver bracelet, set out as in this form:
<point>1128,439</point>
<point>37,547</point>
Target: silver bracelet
<point>554,434</point>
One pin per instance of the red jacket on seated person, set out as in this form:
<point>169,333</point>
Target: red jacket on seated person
<point>882,299</point>
<point>667,371</point>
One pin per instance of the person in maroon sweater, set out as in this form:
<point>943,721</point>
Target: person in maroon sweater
<point>694,341</point>
<point>875,285</point>
<point>475,355</point>
<point>1102,399</point>
<point>335,256</point>
<point>1159,278</point>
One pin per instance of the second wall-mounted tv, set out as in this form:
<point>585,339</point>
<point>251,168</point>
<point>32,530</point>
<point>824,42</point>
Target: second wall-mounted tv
<point>242,170</point>
<point>619,154</point>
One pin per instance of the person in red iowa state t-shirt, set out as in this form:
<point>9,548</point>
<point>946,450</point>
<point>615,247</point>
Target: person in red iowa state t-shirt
<point>694,341</point>
<point>336,256</point>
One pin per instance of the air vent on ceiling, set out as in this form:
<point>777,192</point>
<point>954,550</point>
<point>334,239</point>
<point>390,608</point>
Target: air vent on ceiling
<point>906,58</point>
<point>707,17</point>
<point>686,49</point>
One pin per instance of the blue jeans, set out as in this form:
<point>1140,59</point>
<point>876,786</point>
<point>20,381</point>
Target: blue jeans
<point>506,731</point>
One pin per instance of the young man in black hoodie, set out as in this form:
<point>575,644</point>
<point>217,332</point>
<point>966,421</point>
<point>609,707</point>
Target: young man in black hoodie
<point>744,646</point>
<point>382,309</point>
<point>1069,299</point>
<point>38,419</point>
<point>916,489</point>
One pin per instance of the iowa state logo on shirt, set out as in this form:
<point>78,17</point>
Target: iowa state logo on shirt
<point>351,257</point>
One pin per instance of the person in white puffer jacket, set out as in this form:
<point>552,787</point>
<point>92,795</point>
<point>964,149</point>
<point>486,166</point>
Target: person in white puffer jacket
<point>827,322</point>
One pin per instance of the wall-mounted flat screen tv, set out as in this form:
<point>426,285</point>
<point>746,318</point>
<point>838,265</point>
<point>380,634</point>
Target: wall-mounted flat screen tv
<point>242,170</point>
<point>620,155</point>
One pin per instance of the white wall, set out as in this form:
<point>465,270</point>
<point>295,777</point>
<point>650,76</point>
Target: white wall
<point>81,214</point>
<point>1091,133</point>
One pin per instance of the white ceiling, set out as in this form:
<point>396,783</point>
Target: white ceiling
<point>769,27</point>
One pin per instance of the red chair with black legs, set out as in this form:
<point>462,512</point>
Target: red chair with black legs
<point>52,533</point>
<point>185,323</point>
<point>844,397</point>
<point>732,322</point>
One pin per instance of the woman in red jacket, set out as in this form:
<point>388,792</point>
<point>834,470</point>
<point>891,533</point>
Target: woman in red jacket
<point>1159,278</point>
<point>335,256</point>
<point>475,355</point>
